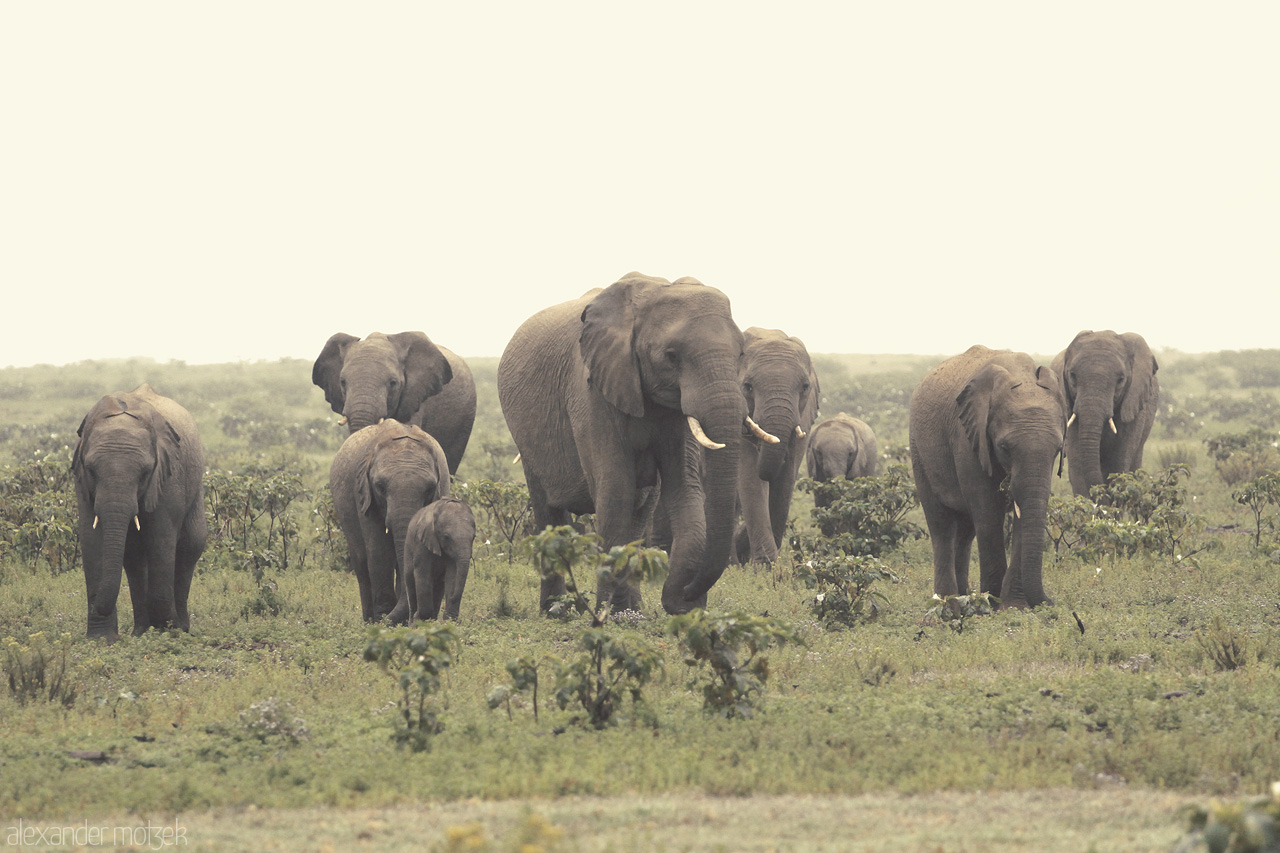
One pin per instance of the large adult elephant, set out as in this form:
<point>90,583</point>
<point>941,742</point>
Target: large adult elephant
<point>609,393</point>
<point>380,478</point>
<point>781,388</point>
<point>842,446</point>
<point>139,468</point>
<point>1106,376</point>
<point>402,376</point>
<point>985,428</point>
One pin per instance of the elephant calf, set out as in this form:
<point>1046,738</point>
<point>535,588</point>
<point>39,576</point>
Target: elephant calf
<point>843,446</point>
<point>437,557</point>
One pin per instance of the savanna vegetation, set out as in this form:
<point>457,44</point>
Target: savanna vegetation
<point>826,703</point>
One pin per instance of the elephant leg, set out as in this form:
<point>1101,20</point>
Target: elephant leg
<point>191,544</point>
<point>754,495</point>
<point>544,516</point>
<point>944,523</point>
<point>991,554</point>
<point>161,551</point>
<point>618,511</point>
<point>412,593</point>
<point>136,571</point>
<point>963,552</point>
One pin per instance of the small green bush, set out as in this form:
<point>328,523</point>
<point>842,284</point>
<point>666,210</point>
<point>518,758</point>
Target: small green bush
<point>503,510</point>
<point>416,657</point>
<point>1258,495</point>
<point>1250,826</point>
<point>955,611</point>
<point>1244,456</point>
<point>37,670</point>
<point>732,644</point>
<point>866,516</point>
<point>844,596</point>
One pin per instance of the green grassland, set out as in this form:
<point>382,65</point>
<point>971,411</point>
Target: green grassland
<point>1151,683</point>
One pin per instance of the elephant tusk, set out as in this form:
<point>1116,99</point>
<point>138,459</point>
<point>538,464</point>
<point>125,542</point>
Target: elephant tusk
<point>760,433</point>
<point>801,433</point>
<point>386,530</point>
<point>95,522</point>
<point>1111,422</point>
<point>517,459</point>
<point>1016,511</point>
<point>1071,420</point>
<point>136,523</point>
<point>343,422</point>
<point>696,429</point>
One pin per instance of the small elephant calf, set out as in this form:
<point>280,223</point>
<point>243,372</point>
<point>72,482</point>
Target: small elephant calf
<point>437,557</point>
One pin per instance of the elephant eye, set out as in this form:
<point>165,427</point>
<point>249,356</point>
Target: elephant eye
<point>671,356</point>
<point>747,388</point>
<point>804,387</point>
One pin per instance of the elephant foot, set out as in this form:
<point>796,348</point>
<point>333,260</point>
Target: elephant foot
<point>398,615</point>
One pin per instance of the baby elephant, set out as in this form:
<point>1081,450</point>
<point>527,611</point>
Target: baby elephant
<point>437,556</point>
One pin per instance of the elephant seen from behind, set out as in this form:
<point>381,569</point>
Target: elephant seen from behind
<point>1112,393</point>
<point>405,377</point>
<point>138,466</point>
<point>781,390</point>
<point>380,477</point>
<point>842,446</point>
<point>985,429</point>
<point>437,558</point>
<point>611,393</point>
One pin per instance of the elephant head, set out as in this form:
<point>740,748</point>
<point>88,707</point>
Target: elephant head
<point>669,354</point>
<point>1014,426</point>
<point>123,462</point>
<point>1105,377</point>
<point>781,389</point>
<point>382,376</point>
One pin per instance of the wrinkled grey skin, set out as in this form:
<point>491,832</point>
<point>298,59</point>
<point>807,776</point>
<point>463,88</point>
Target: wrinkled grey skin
<point>380,478</point>
<point>139,456</point>
<point>1107,377</point>
<point>437,558</point>
<point>596,393</point>
<point>781,388</point>
<point>843,446</point>
<point>976,420</point>
<point>402,376</point>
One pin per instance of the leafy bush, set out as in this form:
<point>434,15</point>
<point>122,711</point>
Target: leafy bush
<point>1129,514</point>
<point>504,510</point>
<point>732,645</point>
<point>1241,457</point>
<point>416,657</point>
<point>273,721</point>
<point>1250,826</point>
<point>556,550</point>
<point>256,509</point>
<point>1257,495</point>
<point>37,670</point>
<point>844,595</point>
<point>38,511</point>
<point>608,671</point>
<point>865,516</point>
<point>956,610</point>
<point>524,679</point>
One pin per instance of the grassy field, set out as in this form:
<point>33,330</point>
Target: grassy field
<point>1084,725</point>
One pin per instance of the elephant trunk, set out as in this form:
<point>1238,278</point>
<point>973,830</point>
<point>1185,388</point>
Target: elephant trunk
<point>720,485</point>
<point>1092,417</point>
<point>1024,584</point>
<point>390,594</point>
<point>114,524</point>
<point>362,410</point>
<point>454,585</point>
<point>779,420</point>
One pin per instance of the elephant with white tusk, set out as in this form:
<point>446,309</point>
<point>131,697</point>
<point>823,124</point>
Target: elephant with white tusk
<point>781,389</point>
<point>986,427</point>
<point>138,457</point>
<point>625,388</point>
<point>1106,376</point>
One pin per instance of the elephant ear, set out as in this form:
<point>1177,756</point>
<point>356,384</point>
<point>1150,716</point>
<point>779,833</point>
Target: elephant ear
<point>327,371</point>
<point>1053,382</point>
<point>167,442</point>
<point>810,413</point>
<point>444,486</point>
<point>973,407</point>
<point>426,372</point>
<point>607,347</point>
<point>1144,388</point>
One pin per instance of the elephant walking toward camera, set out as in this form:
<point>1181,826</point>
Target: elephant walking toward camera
<point>842,446</point>
<point>437,558</point>
<point>139,467</point>
<point>985,428</point>
<point>405,377</point>
<point>781,389</point>
<point>380,478</point>
<point>1106,376</point>
<point>610,393</point>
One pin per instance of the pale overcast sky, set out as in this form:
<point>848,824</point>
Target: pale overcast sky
<point>239,180</point>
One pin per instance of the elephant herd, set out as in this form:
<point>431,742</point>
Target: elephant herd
<point>644,403</point>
